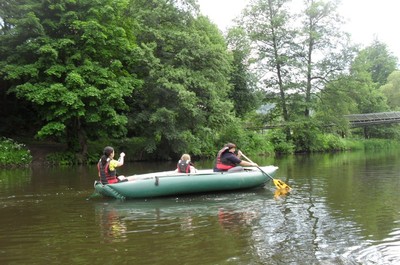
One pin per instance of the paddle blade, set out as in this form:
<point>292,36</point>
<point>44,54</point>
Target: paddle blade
<point>281,185</point>
<point>281,193</point>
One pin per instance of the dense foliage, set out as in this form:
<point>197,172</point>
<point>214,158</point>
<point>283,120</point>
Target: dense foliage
<point>185,68</point>
<point>13,154</point>
<point>158,78</point>
<point>312,72</point>
<point>71,61</point>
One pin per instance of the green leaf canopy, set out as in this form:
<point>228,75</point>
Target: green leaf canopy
<point>185,67</point>
<point>72,60</point>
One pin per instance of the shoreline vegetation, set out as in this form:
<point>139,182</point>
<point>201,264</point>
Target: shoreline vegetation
<point>156,79</point>
<point>15,154</point>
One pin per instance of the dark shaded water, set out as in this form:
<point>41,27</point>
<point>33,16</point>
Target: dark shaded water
<point>344,209</point>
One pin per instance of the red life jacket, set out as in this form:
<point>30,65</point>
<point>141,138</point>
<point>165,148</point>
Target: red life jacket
<point>183,166</point>
<point>105,174</point>
<point>221,164</point>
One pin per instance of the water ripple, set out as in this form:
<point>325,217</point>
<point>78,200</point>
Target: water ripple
<point>387,252</point>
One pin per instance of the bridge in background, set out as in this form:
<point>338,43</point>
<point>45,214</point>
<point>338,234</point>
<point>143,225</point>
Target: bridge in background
<point>363,120</point>
<point>358,120</point>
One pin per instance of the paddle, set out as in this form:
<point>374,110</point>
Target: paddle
<point>278,183</point>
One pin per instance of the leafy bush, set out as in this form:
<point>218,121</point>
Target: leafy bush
<point>328,142</point>
<point>277,138</point>
<point>62,158</point>
<point>305,136</point>
<point>335,142</point>
<point>257,144</point>
<point>247,141</point>
<point>13,153</point>
<point>132,147</point>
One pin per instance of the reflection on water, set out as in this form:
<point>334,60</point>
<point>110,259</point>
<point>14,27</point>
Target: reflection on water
<point>187,227</point>
<point>112,227</point>
<point>281,193</point>
<point>12,181</point>
<point>344,209</point>
<point>359,193</point>
<point>233,220</point>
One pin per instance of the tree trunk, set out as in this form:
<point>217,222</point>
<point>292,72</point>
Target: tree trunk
<point>77,142</point>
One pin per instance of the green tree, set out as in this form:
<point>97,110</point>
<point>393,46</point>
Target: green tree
<point>18,116</point>
<point>369,70</point>
<point>244,94</point>
<point>185,67</point>
<point>267,25</point>
<point>72,60</point>
<point>335,101</point>
<point>350,94</point>
<point>296,54</point>
<point>353,93</point>
<point>363,69</point>
<point>392,90</point>
<point>377,60</point>
<point>326,53</point>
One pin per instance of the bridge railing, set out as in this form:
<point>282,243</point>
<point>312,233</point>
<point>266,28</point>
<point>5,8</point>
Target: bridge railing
<point>361,119</point>
<point>373,118</point>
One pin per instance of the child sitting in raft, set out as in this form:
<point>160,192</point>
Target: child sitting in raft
<point>185,165</point>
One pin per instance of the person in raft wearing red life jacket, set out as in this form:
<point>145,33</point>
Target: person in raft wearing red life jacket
<point>228,161</point>
<point>185,165</point>
<point>107,167</point>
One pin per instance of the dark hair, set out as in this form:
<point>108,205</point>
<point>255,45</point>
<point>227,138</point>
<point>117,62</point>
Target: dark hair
<point>106,154</point>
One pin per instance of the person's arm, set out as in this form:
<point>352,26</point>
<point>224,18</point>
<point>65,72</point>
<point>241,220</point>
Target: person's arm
<point>193,169</point>
<point>245,163</point>
<point>121,159</point>
<point>248,164</point>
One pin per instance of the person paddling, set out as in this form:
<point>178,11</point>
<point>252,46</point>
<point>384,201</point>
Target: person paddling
<point>228,161</point>
<point>107,166</point>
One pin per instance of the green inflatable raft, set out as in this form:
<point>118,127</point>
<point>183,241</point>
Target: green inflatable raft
<point>169,183</point>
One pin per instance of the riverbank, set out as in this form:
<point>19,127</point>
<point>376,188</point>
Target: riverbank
<point>40,151</point>
<point>23,152</point>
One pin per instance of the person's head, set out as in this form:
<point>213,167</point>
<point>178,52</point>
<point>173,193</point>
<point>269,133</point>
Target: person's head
<point>108,151</point>
<point>185,157</point>
<point>231,147</point>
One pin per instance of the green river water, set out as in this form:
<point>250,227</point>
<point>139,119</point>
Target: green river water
<point>344,209</point>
